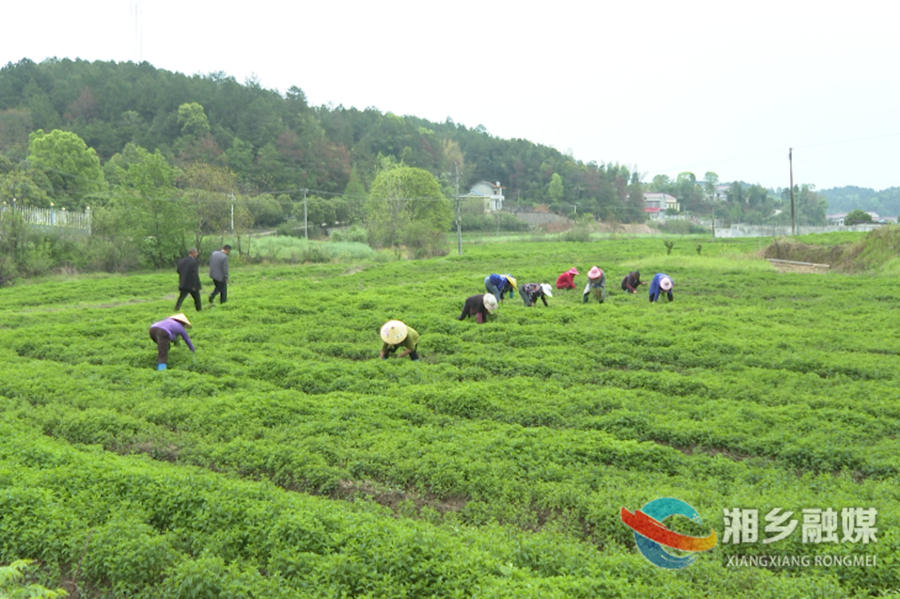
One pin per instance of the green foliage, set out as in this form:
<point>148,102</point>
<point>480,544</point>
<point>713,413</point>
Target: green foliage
<point>856,217</point>
<point>72,167</point>
<point>406,207</point>
<point>680,227</point>
<point>12,584</point>
<point>284,459</point>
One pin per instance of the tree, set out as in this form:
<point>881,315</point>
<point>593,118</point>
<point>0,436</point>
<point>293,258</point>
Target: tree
<point>72,168</point>
<point>406,206</point>
<point>857,217</point>
<point>147,210</point>
<point>555,188</point>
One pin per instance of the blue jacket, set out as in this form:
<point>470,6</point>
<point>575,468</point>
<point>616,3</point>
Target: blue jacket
<point>502,284</point>
<point>655,289</point>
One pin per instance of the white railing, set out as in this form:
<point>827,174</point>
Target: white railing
<point>784,230</point>
<point>52,216</point>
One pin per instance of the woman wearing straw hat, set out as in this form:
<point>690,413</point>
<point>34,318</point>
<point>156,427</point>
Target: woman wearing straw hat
<point>661,283</point>
<point>596,285</point>
<point>166,332</point>
<point>531,292</point>
<point>567,279</point>
<point>499,285</point>
<point>395,333</point>
<point>479,306</point>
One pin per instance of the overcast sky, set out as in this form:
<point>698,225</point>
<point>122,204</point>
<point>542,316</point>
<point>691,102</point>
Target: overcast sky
<point>663,86</point>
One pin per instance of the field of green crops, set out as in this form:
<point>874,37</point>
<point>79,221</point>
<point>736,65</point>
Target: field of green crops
<point>284,459</point>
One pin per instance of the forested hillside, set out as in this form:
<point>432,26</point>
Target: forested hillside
<point>277,144</point>
<point>844,199</point>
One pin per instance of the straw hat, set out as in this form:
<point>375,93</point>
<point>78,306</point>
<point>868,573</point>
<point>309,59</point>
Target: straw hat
<point>180,317</point>
<point>393,332</point>
<point>490,302</point>
<point>573,271</point>
<point>595,272</point>
<point>665,283</point>
<point>512,281</point>
<point>545,287</point>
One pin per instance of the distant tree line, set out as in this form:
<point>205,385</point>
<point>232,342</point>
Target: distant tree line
<point>846,199</point>
<point>163,159</point>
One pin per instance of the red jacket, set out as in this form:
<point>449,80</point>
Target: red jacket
<point>566,281</point>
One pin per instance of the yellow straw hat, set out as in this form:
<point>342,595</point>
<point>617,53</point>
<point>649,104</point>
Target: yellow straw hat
<point>180,317</point>
<point>512,281</point>
<point>393,332</point>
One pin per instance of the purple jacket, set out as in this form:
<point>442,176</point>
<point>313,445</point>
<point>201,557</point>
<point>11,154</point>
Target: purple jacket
<point>174,329</point>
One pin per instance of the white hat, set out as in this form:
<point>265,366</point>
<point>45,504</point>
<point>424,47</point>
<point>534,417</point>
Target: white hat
<point>180,317</point>
<point>665,283</point>
<point>393,332</point>
<point>490,302</point>
<point>545,287</point>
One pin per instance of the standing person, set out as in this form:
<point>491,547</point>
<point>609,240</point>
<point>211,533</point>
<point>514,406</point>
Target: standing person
<point>567,279</point>
<point>531,292</point>
<point>596,285</point>
<point>189,279</point>
<point>479,306</point>
<point>499,285</point>
<point>632,281</point>
<point>218,272</point>
<point>395,333</point>
<point>661,282</point>
<point>166,332</point>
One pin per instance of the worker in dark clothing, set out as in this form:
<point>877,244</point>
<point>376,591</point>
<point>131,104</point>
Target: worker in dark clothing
<point>531,292</point>
<point>189,279</point>
<point>632,281</point>
<point>479,306</point>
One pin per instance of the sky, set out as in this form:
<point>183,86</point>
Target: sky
<point>660,86</point>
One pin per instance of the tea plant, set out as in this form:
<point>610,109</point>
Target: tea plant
<point>285,459</point>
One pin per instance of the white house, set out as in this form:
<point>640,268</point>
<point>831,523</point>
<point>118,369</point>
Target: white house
<point>490,193</point>
<point>656,204</point>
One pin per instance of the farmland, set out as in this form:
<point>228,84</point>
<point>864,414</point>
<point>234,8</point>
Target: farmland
<point>284,459</point>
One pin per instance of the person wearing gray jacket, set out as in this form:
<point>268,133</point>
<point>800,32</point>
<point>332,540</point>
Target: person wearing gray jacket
<point>218,272</point>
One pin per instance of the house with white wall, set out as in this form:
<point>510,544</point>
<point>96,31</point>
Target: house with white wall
<point>491,195</point>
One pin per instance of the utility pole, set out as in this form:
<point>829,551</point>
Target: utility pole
<point>458,216</point>
<point>793,215</point>
<point>305,223</point>
<point>231,210</point>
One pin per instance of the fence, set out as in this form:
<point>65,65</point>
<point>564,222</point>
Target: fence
<point>783,230</point>
<point>52,217</point>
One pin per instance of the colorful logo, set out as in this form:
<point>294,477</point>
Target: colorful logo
<point>651,534</point>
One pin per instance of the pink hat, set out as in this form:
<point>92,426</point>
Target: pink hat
<point>595,272</point>
<point>573,271</point>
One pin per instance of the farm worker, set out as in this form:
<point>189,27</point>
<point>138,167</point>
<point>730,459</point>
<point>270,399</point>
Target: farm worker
<point>188,279</point>
<point>596,285</point>
<point>499,285</point>
<point>395,333</point>
<point>567,279</point>
<point>531,292</point>
<point>632,281</point>
<point>218,272</point>
<point>661,282</point>
<point>479,306</point>
<point>167,331</point>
